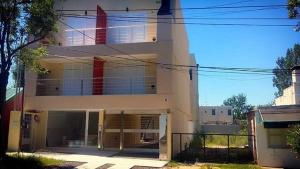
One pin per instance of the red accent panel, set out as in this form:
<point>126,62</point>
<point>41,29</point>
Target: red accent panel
<point>98,76</point>
<point>8,107</point>
<point>101,22</point>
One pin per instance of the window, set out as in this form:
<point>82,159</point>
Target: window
<point>277,138</point>
<point>86,26</point>
<point>213,112</point>
<point>126,31</point>
<point>229,112</point>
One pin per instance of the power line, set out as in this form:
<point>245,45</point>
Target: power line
<point>225,70</point>
<point>203,24</point>
<point>253,70</point>
<point>240,11</point>
<point>179,18</point>
<point>187,8</point>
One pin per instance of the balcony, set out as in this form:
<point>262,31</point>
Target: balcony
<point>116,35</point>
<point>119,28</point>
<point>96,86</point>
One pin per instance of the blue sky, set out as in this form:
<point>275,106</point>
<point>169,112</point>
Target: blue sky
<point>237,46</point>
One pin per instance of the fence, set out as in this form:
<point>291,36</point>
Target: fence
<point>212,147</point>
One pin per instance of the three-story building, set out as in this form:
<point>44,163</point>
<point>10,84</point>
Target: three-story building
<point>114,79</point>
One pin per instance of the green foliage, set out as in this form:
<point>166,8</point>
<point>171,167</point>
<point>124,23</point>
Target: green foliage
<point>30,57</point>
<point>293,138</point>
<point>32,162</point>
<point>235,166</point>
<point>293,6</point>
<point>283,79</point>
<point>197,141</point>
<point>239,104</point>
<point>222,141</point>
<point>23,23</point>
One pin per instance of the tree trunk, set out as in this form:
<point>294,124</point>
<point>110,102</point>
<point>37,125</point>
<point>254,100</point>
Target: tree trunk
<point>3,84</point>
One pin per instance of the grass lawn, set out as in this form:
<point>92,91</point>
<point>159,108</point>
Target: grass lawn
<point>24,162</point>
<point>176,165</point>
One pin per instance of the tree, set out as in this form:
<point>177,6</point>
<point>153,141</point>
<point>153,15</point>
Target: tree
<point>293,7</point>
<point>240,106</point>
<point>22,23</point>
<point>293,138</point>
<point>283,78</point>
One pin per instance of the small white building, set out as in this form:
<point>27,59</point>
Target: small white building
<point>270,126</point>
<point>215,115</point>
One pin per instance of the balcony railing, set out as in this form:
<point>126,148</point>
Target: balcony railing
<point>96,86</point>
<point>115,35</point>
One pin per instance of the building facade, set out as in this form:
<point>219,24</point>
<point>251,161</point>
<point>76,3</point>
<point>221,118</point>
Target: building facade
<point>111,81</point>
<point>216,119</point>
<point>215,115</point>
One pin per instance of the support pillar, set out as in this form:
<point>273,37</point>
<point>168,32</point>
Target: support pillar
<point>101,129</point>
<point>87,113</point>
<point>163,136</point>
<point>122,131</point>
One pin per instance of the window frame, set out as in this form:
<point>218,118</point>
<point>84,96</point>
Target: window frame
<point>277,132</point>
<point>229,112</point>
<point>213,112</point>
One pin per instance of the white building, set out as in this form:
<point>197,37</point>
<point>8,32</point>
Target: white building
<point>291,95</point>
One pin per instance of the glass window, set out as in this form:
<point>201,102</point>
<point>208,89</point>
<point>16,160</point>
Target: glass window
<point>86,26</point>
<point>229,112</point>
<point>213,112</point>
<point>277,138</point>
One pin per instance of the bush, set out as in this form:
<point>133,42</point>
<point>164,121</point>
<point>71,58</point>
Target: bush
<point>197,141</point>
<point>293,138</point>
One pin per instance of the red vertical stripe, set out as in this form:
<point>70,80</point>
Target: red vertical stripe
<point>101,23</point>
<point>98,76</point>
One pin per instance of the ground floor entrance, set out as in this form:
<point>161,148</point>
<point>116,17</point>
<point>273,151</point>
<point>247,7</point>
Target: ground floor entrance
<point>132,133</point>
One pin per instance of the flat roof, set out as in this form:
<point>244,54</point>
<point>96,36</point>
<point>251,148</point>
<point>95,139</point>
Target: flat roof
<point>279,116</point>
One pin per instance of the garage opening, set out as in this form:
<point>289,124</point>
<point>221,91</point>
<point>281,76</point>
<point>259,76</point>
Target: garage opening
<point>66,129</point>
<point>135,134</point>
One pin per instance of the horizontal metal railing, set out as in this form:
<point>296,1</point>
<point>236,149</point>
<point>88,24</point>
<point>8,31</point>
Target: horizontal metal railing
<point>96,86</point>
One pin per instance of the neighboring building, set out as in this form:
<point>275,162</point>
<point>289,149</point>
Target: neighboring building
<point>215,115</point>
<point>270,125</point>
<point>291,95</point>
<point>216,119</point>
<point>103,89</point>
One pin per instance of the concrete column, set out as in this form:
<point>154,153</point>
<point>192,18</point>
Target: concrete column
<point>101,129</point>
<point>86,127</point>
<point>14,131</point>
<point>169,136</point>
<point>121,131</point>
<point>163,136</point>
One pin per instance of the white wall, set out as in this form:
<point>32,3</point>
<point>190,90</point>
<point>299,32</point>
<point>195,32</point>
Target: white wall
<point>273,157</point>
